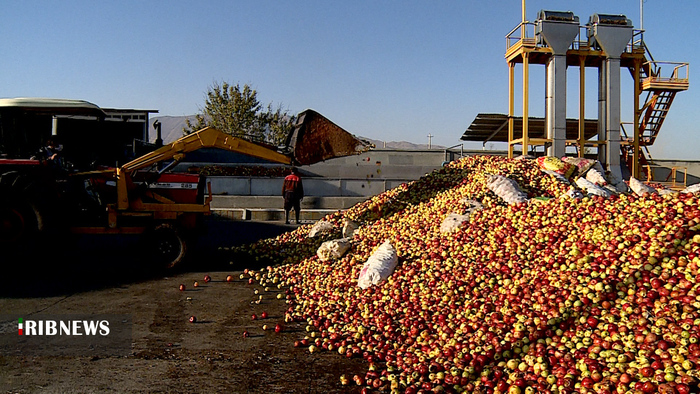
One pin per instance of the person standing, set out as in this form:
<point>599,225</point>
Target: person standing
<point>293,193</point>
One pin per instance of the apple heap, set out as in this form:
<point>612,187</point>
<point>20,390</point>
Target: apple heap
<point>591,295</point>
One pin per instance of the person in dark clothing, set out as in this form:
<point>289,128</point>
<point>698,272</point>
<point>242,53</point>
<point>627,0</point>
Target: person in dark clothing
<point>53,153</point>
<point>293,192</point>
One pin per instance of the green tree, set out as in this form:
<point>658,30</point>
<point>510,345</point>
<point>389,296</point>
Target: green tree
<point>236,110</point>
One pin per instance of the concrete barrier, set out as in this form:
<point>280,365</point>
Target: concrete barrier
<point>319,187</point>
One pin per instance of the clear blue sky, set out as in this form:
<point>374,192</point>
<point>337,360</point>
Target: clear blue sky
<point>388,70</point>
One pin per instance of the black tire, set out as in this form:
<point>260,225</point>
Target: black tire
<point>166,246</point>
<point>22,219</point>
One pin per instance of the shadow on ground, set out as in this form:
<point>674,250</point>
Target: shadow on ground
<point>91,262</point>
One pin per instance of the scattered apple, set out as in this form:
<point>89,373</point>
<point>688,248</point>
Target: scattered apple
<point>207,278</point>
<point>193,319</point>
<point>556,294</point>
<point>182,287</point>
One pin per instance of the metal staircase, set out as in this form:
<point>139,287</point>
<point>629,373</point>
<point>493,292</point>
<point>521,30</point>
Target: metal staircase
<point>660,92</point>
<point>654,111</point>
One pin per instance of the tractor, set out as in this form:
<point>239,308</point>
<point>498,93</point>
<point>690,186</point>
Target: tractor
<point>41,198</point>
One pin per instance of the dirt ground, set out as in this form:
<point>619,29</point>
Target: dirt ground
<point>169,354</point>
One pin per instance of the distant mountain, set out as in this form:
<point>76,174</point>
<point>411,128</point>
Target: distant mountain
<point>402,145</point>
<point>171,129</point>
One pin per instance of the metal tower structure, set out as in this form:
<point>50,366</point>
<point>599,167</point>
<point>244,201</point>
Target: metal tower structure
<point>608,43</point>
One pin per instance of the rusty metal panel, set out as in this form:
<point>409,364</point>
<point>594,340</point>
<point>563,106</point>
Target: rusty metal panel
<point>315,139</point>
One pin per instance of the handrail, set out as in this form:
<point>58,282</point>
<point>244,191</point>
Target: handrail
<point>461,150</point>
<point>581,40</point>
<point>678,68</point>
<point>638,43</point>
<point>522,27</point>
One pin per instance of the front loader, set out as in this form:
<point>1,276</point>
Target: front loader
<point>143,196</point>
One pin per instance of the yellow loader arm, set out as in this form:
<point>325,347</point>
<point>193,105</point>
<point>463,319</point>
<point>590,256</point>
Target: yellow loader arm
<point>207,137</point>
<point>314,139</point>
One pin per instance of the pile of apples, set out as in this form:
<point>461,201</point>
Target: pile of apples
<point>554,295</point>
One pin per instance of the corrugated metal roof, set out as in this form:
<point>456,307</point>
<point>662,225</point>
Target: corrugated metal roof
<point>494,127</point>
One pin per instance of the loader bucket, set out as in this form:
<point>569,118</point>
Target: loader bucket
<point>315,139</point>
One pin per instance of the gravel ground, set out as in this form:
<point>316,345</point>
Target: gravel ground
<point>168,353</point>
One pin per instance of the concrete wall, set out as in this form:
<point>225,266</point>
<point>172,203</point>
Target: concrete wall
<point>326,187</point>
<point>663,169</point>
<point>331,185</point>
<point>342,182</point>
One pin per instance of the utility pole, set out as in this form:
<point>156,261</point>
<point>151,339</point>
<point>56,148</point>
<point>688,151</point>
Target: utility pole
<point>641,19</point>
<point>430,141</point>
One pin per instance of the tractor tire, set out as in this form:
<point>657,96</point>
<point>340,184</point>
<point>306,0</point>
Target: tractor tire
<point>166,246</point>
<point>22,219</point>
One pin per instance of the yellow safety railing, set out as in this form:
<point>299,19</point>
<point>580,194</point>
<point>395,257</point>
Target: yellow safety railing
<point>523,32</point>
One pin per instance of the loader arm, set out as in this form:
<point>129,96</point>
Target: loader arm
<point>205,138</point>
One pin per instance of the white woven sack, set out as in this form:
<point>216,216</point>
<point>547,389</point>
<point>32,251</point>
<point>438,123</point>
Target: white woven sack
<point>349,228</point>
<point>319,228</point>
<point>473,204</point>
<point>611,189</point>
<point>452,221</point>
<point>692,188</point>
<point>640,187</point>
<point>596,176</point>
<point>560,177</point>
<point>572,193</point>
<point>379,266</point>
<point>334,249</point>
<point>506,188</point>
<point>592,188</point>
